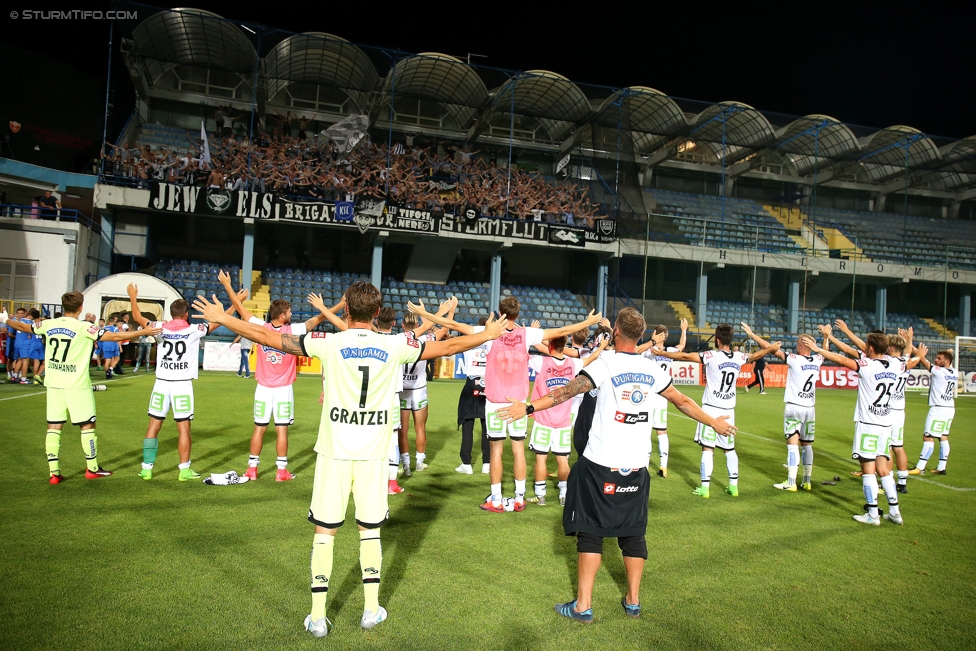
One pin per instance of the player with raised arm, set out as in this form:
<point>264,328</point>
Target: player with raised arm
<point>177,365</point>
<point>68,352</point>
<point>942,409</point>
<point>471,407</point>
<point>507,377</point>
<point>360,369</point>
<point>722,368</point>
<point>413,394</point>
<point>552,430</point>
<point>900,348</point>
<point>659,411</point>
<point>274,395</point>
<point>877,375</point>
<point>799,411</point>
<point>609,484</point>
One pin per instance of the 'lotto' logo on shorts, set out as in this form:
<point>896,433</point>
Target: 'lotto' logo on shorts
<point>609,489</point>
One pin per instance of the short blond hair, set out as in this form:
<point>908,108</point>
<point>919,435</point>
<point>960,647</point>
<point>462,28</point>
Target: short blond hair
<point>630,324</point>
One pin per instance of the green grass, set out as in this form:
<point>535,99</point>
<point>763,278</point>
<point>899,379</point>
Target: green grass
<point>122,563</point>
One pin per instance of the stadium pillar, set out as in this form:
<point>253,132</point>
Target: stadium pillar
<point>495,281</point>
<point>601,287</point>
<point>881,306</point>
<point>701,297</point>
<point>247,262</point>
<point>793,309</point>
<point>376,275</point>
<point>965,308</point>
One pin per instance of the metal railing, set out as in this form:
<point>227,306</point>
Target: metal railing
<point>19,211</point>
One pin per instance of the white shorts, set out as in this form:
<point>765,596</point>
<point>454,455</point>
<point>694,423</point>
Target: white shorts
<point>939,420</point>
<point>178,394</point>
<point>799,420</point>
<point>498,429</point>
<point>395,412</point>
<point>413,399</point>
<point>274,402</point>
<point>557,440</point>
<point>897,438</point>
<point>336,478</point>
<point>870,441</point>
<point>659,414</point>
<point>708,437</point>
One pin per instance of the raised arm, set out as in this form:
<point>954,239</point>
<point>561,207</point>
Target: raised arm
<point>656,341</point>
<point>922,350</point>
<point>836,358</point>
<point>224,279</point>
<point>493,330</point>
<point>324,313</point>
<point>842,326</point>
<point>684,335</point>
<point>690,408</point>
<point>580,384</point>
<point>133,290</point>
<point>828,334</point>
<point>315,300</point>
<point>759,340</point>
<point>131,334</point>
<point>215,314</point>
<point>679,357</point>
<point>592,319</point>
<point>451,324</point>
<point>240,296</point>
<point>595,355</point>
<point>13,323</point>
<point>762,352</point>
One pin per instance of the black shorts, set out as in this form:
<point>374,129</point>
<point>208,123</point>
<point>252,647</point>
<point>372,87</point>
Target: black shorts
<point>608,502</point>
<point>584,419</point>
<point>471,402</point>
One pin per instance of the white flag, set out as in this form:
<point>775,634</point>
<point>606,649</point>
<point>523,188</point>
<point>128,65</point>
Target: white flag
<point>205,151</point>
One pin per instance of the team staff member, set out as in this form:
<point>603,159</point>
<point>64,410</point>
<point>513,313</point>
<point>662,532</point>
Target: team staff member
<point>609,484</point>
<point>360,369</point>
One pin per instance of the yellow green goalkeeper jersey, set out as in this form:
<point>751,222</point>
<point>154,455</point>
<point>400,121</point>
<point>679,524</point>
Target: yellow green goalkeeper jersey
<point>68,351</point>
<point>360,372</point>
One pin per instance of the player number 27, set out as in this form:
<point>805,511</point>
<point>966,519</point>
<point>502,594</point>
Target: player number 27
<point>56,343</point>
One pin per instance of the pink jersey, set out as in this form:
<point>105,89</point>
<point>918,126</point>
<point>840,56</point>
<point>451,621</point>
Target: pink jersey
<point>552,373</point>
<point>507,365</point>
<point>275,368</point>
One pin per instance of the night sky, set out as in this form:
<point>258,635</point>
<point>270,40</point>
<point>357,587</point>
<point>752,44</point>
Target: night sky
<point>871,64</point>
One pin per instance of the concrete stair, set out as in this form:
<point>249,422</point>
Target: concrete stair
<point>682,311</point>
<point>941,329</point>
<point>792,220</point>
<point>656,312</point>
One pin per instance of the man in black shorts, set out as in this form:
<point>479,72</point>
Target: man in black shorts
<point>609,484</point>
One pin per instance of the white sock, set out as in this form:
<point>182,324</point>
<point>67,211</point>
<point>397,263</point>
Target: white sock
<point>792,463</point>
<point>253,461</point>
<point>281,462</point>
<point>184,466</point>
<point>888,484</point>
<point>420,458</point>
<point>147,466</point>
<point>664,447</point>
<point>707,462</point>
<point>806,452</point>
<point>562,489</point>
<point>943,454</point>
<point>405,460</point>
<point>928,447</point>
<point>540,488</point>
<point>496,493</point>
<point>902,477</point>
<point>519,489</point>
<point>732,462</point>
<point>870,485</point>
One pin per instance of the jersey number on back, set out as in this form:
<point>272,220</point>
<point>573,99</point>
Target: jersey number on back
<point>728,379</point>
<point>884,389</point>
<point>64,354</point>
<point>365,388</point>
<point>180,348</point>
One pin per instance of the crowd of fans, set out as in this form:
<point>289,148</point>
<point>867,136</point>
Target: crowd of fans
<point>439,176</point>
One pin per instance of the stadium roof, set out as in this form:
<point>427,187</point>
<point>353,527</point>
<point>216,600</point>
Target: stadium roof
<point>659,126</point>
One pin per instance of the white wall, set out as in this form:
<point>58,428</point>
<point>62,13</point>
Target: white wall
<point>43,241</point>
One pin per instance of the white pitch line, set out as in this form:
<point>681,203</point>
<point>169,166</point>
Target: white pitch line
<point>839,458</point>
<point>41,393</point>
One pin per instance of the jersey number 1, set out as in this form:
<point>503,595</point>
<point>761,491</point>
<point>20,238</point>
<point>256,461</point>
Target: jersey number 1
<point>365,388</point>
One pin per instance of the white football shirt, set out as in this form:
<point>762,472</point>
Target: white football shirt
<point>898,393</point>
<point>476,359</point>
<point>415,374</point>
<point>875,387</point>
<point>942,389</point>
<point>178,351</point>
<point>802,374</point>
<point>722,369</point>
<point>620,436</point>
<point>663,362</point>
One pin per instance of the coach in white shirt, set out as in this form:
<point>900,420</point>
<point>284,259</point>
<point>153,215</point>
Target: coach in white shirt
<point>609,484</point>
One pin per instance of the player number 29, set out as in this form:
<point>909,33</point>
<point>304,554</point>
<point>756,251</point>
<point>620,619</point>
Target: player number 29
<point>180,348</point>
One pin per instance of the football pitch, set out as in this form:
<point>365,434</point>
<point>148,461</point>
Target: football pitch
<point>121,563</point>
